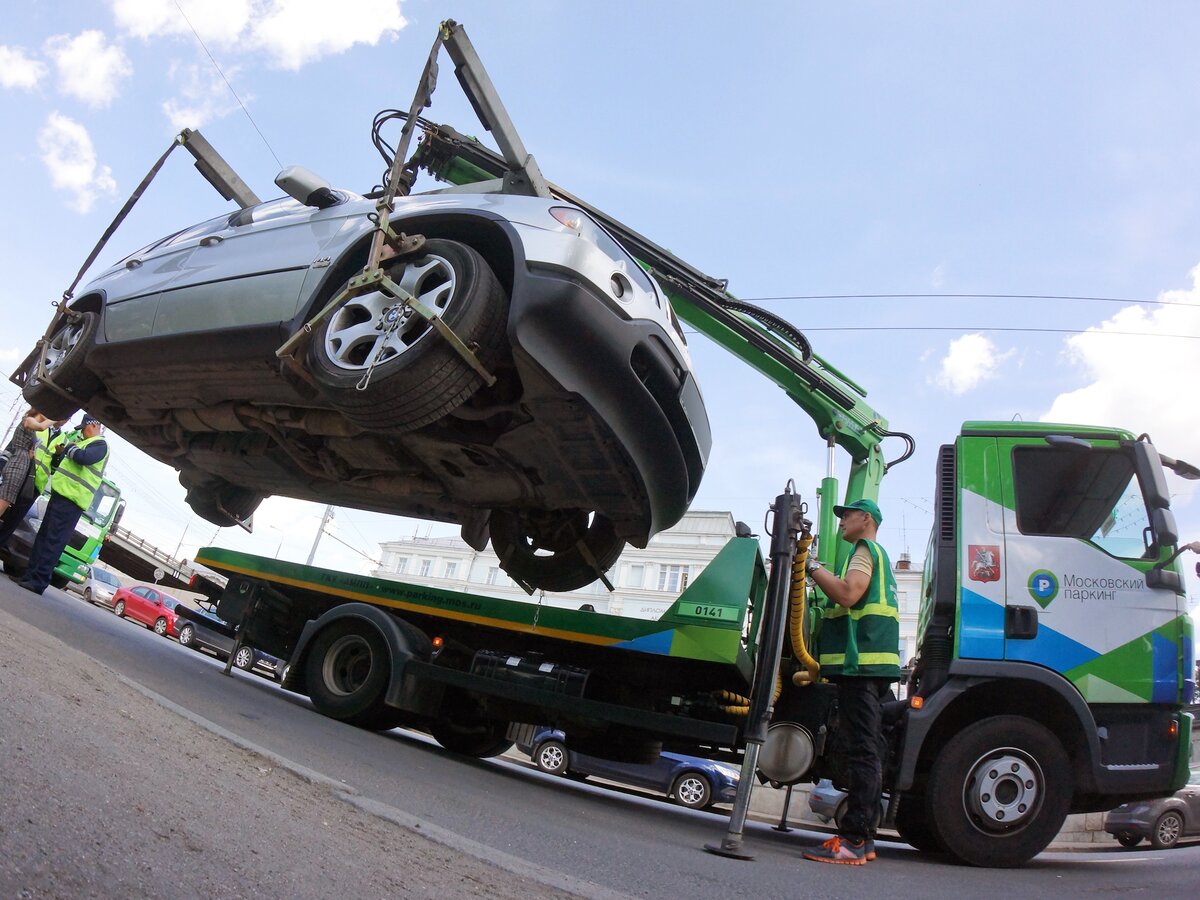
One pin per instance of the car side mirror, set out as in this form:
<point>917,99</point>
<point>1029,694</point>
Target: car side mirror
<point>307,187</point>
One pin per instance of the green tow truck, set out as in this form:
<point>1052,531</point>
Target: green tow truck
<point>1055,653</point>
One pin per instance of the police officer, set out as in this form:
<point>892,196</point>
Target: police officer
<point>859,651</point>
<point>73,485</point>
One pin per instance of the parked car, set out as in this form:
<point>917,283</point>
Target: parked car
<point>587,431</point>
<point>100,587</point>
<point>1163,822</point>
<point>828,803</point>
<point>147,605</point>
<point>204,630</point>
<point>688,780</point>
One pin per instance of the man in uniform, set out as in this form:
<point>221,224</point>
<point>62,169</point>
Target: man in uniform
<point>73,486</point>
<point>859,651</point>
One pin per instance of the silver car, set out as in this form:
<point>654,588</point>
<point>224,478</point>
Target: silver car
<point>582,428</point>
<point>99,587</point>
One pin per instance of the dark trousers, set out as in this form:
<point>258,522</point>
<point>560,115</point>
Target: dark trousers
<point>15,513</point>
<point>860,713</point>
<point>58,524</point>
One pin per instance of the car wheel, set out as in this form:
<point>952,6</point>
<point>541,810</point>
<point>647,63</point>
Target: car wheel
<point>160,626</point>
<point>119,608</point>
<point>1166,831</point>
<point>216,500</point>
<point>692,790</point>
<point>347,671</point>
<point>554,551</point>
<point>551,757</point>
<point>999,792</point>
<point>1129,841</point>
<point>64,354</point>
<point>87,594</point>
<point>244,658</point>
<point>186,633</point>
<point>912,821</point>
<point>384,366</point>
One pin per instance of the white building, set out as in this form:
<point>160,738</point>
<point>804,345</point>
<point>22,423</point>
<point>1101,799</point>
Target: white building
<point>646,582</point>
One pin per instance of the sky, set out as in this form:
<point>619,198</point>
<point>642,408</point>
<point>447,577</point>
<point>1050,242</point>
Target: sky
<point>818,153</point>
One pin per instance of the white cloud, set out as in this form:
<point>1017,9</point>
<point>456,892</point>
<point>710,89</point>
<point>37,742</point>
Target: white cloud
<point>970,360</point>
<point>17,70</point>
<point>1141,383</point>
<point>68,153</point>
<point>89,68</point>
<point>203,96</point>
<point>291,33</point>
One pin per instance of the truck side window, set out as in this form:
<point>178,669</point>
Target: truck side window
<point>1092,495</point>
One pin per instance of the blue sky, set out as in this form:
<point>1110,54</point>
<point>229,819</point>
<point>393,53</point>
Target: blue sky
<point>808,148</point>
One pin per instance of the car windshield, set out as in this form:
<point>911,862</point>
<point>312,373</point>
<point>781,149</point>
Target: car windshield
<point>105,577</point>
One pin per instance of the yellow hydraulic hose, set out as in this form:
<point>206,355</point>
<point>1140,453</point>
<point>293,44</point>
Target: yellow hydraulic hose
<point>797,605</point>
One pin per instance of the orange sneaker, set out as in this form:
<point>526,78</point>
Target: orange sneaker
<point>840,851</point>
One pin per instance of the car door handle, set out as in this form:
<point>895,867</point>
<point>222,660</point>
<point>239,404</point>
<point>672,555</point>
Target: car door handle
<point>211,240</point>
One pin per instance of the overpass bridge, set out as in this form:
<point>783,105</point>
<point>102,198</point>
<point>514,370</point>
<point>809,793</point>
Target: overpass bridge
<point>139,559</point>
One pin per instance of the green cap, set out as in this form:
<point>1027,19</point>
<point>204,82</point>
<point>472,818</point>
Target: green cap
<point>867,506</point>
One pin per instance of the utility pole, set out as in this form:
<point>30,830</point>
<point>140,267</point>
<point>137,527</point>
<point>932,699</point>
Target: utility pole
<point>320,531</point>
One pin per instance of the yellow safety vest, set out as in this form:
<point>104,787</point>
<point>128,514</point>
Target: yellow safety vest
<point>76,482</point>
<point>864,639</point>
<point>43,453</point>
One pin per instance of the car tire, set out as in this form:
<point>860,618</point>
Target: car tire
<point>416,376</point>
<point>216,500</point>
<point>1128,841</point>
<point>186,635</point>
<point>64,352</point>
<point>551,757</point>
<point>976,823</point>
<point>160,626</point>
<point>244,658</point>
<point>347,671</point>
<point>521,539</point>
<point>692,790</point>
<point>912,822</point>
<point>1167,830</point>
<point>87,595</point>
<point>119,609</point>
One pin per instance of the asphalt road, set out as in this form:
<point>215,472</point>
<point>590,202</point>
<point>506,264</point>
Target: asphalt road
<point>572,833</point>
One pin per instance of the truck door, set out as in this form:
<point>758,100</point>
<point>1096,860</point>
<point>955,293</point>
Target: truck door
<point>1076,599</point>
<point>981,549</point>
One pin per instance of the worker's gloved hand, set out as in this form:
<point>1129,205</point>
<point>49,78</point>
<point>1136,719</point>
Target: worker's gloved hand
<point>60,451</point>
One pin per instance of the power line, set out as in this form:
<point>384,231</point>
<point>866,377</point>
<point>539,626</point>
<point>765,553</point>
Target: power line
<point>1125,300</point>
<point>227,84</point>
<point>972,328</point>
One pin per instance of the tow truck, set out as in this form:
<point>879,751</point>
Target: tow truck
<point>1055,650</point>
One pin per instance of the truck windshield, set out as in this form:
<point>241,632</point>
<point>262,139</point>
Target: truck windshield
<point>103,504</point>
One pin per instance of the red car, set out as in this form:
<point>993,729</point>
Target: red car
<point>147,605</point>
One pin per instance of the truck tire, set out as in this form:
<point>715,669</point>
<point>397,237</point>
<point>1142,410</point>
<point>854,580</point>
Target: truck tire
<point>64,354</point>
<point>416,376</point>
<point>463,728</point>
<point>999,792</point>
<point>912,822</point>
<point>347,671</point>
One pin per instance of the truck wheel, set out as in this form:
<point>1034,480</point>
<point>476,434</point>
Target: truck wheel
<point>244,658</point>
<point>1129,841</point>
<point>542,549</point>
<point>347,671</point>
<point>692,790</point>
<point>64,354</point>
<point>463,727</point>
<point>999,792</point>
<point>416,376</point>
<point>1166,831</point>
<point>912,822</point>
<point>186,633</point>
<point>551,757</point>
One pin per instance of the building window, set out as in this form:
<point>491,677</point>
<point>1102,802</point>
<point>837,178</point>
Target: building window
<point>426,567</point>
<point>493,574</point>
<point>451,570</point>
<point>672,578</point>
<point>637,576</point>
<point>402,565</point>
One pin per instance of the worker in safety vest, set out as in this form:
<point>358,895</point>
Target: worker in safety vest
<point>859,651</point>
<point>73,486</point>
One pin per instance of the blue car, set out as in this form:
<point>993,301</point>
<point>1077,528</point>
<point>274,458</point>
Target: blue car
<point>688,780</point>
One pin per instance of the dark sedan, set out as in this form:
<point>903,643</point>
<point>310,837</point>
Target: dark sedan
<point>688,780</point>
<point>1163,822</point>
<point>204,630</point>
